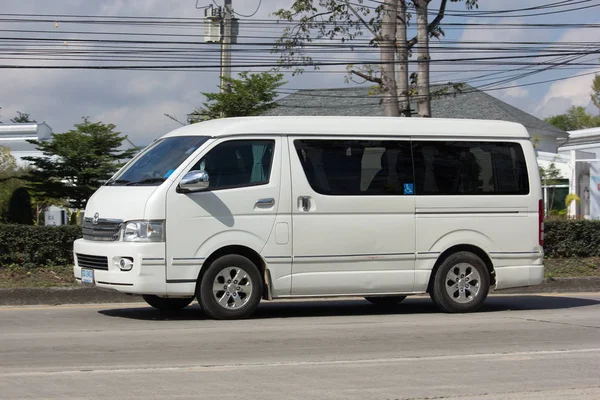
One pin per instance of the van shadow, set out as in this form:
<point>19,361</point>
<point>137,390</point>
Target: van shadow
<point>214,206</point>
<point>338,308</point>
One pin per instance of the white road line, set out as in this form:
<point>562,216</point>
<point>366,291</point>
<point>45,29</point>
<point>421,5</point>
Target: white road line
<point>521,355</point>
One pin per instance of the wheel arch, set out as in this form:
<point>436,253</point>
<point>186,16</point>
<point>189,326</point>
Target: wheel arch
<point>479,252</point>
<point>244,251</point>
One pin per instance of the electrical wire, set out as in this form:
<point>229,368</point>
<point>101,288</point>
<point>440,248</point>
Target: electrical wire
<point>251,15</point>
<point>201,7</point>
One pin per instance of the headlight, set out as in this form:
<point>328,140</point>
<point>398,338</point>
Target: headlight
<point>144,231</point>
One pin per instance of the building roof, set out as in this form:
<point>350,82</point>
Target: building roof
<point>583,139</point>
<point>470,103</point>
<point>352,125</point>
<point>15,136</point>
<point>33,130</point>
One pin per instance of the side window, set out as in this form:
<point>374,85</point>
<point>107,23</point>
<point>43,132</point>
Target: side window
<point>357,167</point>
<point>238,163</point>
<point>469,168</point>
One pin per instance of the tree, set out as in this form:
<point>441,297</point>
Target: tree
<point>22,118</point>
<point>77,162</point>
<point>575,118</point>
<point>346,21</point>
<point>251,94</point>
<point>596,91</point>
<point>20,209</point>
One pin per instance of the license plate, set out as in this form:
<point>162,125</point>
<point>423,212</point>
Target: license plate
<point>87,276</point>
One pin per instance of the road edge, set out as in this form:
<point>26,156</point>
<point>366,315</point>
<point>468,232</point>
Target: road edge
<point>86,295</point>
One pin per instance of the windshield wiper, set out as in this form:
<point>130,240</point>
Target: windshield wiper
<point>146,181</point>
<point>116,182</point>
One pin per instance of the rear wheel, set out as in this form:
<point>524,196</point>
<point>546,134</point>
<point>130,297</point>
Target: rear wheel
<point>385,301</point>
<point>167,304</point>
<point>231,288</point>
<point>461,284</point>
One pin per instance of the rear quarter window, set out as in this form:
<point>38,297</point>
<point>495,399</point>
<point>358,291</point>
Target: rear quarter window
<point>469,168</point>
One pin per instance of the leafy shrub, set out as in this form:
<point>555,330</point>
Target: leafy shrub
<point>34,246</point>
<point>19,207</point>
<point>580,238</point>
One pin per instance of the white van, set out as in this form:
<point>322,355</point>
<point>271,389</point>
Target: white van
<point>233,211</point>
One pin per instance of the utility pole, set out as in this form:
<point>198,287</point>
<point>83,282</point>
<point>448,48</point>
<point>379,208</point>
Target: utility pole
<point>226,35</point>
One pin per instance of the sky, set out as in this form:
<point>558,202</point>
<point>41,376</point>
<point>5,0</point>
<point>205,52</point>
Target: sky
<point>136,101</point>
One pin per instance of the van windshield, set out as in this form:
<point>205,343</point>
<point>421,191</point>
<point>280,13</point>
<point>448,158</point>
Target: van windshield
<point>154,165</point>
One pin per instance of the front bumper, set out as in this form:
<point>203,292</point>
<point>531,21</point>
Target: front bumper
<point>148,275</point>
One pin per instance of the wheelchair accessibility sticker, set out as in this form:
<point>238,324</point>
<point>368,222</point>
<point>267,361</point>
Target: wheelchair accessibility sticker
<point>408,188</point>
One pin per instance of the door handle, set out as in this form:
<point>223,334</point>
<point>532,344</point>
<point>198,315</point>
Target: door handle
<point>304,203</point>
<point>265,202</point>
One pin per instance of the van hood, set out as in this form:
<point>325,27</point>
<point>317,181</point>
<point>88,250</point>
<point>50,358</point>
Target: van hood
<point>119,202</point>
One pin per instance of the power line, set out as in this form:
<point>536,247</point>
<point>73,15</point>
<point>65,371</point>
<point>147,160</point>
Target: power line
<point>253,14</point>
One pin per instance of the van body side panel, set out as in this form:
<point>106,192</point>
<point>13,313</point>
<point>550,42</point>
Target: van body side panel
<point>515,270</point>
<point>200,223</point>
<point>505,227</point>
<point>346,245</point>
<point>278,251</point>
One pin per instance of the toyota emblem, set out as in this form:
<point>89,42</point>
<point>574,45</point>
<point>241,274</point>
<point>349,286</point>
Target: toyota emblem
<point>95,219</point>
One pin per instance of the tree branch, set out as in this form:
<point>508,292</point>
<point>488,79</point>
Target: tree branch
<point>366,77</point>
<point>173,119</point>
<point>432,25</point>
<point>362,20</point>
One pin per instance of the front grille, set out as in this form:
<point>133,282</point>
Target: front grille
<point>93,262</point>
<point>106,230</point>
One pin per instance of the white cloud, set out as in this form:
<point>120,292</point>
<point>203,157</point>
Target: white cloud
<point>515,91</point>
<point>561,95</point>
<point>564,94</point>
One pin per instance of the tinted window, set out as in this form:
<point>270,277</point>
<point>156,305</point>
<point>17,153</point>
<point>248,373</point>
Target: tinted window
<point>357,167</point>
<point>469,168</point>
<point>238,163</point>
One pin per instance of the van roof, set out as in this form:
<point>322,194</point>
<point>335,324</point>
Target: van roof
<point>352,126</point>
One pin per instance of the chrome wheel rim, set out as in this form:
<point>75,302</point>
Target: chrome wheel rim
<point>232,288</point>
<point>463,283</point>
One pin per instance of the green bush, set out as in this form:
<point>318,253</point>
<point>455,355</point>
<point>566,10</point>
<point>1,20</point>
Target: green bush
<point>19,207</point>
<point>566,238</point>
<point>34,246</point>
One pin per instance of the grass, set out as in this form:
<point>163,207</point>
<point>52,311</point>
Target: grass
<point>572,267</point>
<point>19,277</point>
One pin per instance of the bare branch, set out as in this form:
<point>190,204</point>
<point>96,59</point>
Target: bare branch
<point>362,20</point>
<point>366,77</point>
<point>173,118</point>
<point>433,24</point>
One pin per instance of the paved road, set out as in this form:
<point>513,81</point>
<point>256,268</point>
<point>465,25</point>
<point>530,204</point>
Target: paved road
<point>521,347</point>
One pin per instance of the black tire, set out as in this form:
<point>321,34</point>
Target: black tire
<point>225,267</point>
<point>167,304</point>
<point>462,265</point>
<point>385,301</point>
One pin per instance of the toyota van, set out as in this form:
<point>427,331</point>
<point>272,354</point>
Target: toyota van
<point>234,211</point>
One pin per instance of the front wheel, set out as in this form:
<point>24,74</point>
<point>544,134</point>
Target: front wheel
<point>167,304</point>
<point>461,284</point>
<point>385,301</point>
<point>231,288</point>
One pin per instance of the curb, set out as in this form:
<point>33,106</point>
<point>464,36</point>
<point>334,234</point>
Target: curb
<point>62,295</point>
<point>86,295</point>
<point>558,285</point>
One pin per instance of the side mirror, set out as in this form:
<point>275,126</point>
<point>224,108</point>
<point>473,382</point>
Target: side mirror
<point>194,181</point>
